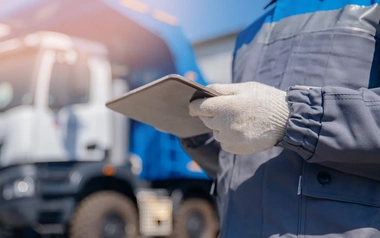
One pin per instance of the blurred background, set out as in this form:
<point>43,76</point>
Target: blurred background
<point>70,167</point>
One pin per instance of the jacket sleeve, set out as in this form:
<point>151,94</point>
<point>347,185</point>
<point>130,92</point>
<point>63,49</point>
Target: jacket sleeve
<point>334,125</point>
<point>204,150</point>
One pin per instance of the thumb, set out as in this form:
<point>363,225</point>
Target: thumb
<point>225,89</point>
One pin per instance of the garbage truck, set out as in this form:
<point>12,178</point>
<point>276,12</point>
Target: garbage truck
<point>69,165</point>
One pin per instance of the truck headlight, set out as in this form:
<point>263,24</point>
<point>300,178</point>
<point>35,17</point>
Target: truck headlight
<point>19,188</point>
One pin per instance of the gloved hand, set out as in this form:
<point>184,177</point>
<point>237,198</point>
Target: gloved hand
<point>248,117</point>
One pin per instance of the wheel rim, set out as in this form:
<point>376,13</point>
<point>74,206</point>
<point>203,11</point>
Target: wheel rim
<point>196,225</point>
<point>114,226</point>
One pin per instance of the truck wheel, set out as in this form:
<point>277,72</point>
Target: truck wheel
<point>105,214</point>
<point>196,219</point>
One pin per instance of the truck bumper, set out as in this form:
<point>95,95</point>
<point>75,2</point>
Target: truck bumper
<point>44,216</point>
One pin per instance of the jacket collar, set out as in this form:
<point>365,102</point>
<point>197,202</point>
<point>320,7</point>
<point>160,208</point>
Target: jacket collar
<point>270,3</point>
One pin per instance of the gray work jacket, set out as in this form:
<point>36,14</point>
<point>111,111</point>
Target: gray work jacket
<point>323,178</point>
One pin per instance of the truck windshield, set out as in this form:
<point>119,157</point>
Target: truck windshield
<point>16,73</point>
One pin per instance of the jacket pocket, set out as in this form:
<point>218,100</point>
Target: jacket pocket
<point>322,182</point>
<point>337,204</point>
<point>331,58</point>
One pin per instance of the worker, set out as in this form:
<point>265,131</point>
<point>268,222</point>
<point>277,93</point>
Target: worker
<point>295,147</point>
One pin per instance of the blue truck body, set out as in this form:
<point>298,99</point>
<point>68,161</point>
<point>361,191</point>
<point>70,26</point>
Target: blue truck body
<point>161,154</point>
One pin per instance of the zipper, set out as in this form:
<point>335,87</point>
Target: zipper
<point>302,205</point>
<point>299,189</point>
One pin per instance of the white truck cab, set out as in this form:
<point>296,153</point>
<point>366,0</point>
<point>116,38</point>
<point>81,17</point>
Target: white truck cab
<point>52,94</point>
<point>62,150</point>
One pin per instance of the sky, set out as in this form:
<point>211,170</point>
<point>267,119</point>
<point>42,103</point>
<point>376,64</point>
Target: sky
<point>205,19</point>
<point>200,19</point>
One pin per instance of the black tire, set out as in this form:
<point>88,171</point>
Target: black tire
<point>204,223</point>
<point>91,216</point>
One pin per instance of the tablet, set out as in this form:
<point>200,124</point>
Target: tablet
<point>164,104</point>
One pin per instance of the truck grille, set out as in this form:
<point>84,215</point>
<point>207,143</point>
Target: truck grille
<point>155,213</point>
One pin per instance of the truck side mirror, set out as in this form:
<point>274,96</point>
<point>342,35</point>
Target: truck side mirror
<point>119,87</point>
<point>120,126</point>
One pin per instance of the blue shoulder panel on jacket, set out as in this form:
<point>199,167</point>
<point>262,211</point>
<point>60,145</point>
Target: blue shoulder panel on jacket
<point>247,35</point>
<point>287,8</point>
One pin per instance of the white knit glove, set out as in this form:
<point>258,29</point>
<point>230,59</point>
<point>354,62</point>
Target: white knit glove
<point>248,117</point>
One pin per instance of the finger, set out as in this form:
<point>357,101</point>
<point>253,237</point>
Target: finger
<point>236,149</point>
<point>211,122</point>
<point>224,89</point>
<point>198,108</point>
<point>222,136</point>
<point>208,107</point>
<point>217,135</point>
<point>235,88</point>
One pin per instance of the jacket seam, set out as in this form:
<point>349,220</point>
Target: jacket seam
<point>313,152</point>
<point>230,198</point>
<point>305,220</point>
<point>373,105</point>
<point>342,99</point>
<point>355,200</point>
<point>352,196</point>
<point>307,134</point>
<point>334,54</point>
<point>261,201</point>
<point>289,36</point>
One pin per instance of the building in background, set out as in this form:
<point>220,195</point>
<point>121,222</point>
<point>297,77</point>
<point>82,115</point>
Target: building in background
<point>212,27</point>
<point>214,57</point>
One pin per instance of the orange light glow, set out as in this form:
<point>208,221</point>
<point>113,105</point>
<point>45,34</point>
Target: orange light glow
<point>191,75</point>
<point>194,167</point>
<point>165,17</point>
<point>135,6</point>
<point>4,30</point>
<point>109,170</point>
